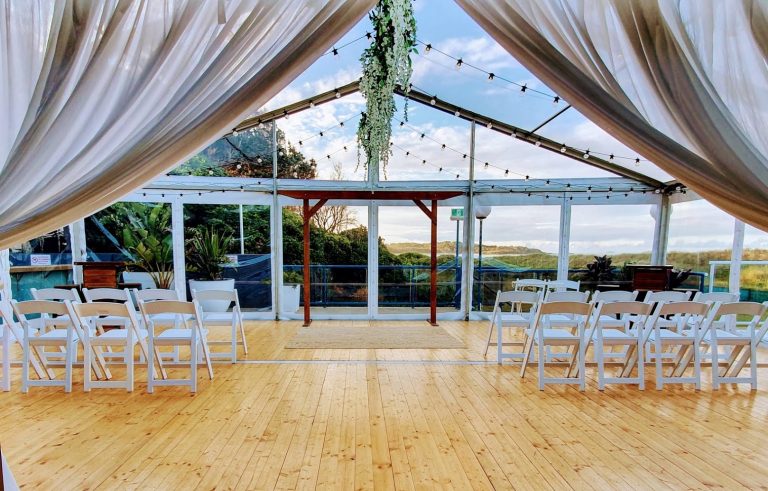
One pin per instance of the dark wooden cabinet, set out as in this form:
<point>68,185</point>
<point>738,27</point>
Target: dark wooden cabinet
<point>650,278</point>
<point>100,274</point>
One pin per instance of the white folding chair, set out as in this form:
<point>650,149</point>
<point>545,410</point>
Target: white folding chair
<point>603,334</point>
<point>88,316</point>
<point>563,285</point>
<point>192,335</point>
<point>55,295</point>
<point>742,342</point>
<point>224,317</point>
<point>13,333</point>
<point>112,295</point>
<point>607,321</point>
<point>170,320</point>
<point>62,336</point>
<point>530,284</point>
<point>544,335</point>
<point>5,350</point>
<point>682,331</point>
<point>517,317</point>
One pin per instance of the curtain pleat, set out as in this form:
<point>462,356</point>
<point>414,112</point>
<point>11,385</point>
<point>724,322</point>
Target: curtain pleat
<point>99,98</point>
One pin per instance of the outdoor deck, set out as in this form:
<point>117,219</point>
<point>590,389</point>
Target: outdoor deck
<point>405,419</point>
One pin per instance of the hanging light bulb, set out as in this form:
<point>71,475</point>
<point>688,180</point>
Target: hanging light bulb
<point>427,48</point>
<point>489,125</point>
<point>490,77</point>
<point>239,166</point>
<point>459,62</point>
<point>586,154</point>
<point>335,52</point>
<point>523,88</point>
<point>432,101</point>
<point>556,100</point>
<point>337,94</point>
<point>311,104</point>
<point>457,113</point>
<point>563,149</point>
<point>234,132</point>
<point>538,143</point>
<point>637,162</point>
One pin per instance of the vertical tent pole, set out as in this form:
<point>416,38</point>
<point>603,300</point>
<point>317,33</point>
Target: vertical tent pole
<point>661,231</point>
<point>433,267</point>
<point>737,251</point>
<point>565,240</point>
<point>179,261</point>
<point>77,233</point>
<point>307,217</point>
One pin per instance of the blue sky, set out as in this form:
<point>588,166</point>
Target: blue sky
<point>446,27</point>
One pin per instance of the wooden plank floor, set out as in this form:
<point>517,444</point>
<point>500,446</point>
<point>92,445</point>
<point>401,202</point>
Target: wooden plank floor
<point>384,419</point>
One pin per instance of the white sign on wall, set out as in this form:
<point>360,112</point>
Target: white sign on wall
<point>40,259</point>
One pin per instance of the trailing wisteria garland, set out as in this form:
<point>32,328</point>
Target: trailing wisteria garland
<point>386,65</point>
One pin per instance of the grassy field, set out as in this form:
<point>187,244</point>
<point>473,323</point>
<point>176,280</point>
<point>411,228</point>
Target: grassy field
<point>755,276</point>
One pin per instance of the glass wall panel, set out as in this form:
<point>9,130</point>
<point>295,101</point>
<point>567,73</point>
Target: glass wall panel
<point>338,260</point>
<point>754,277</point>
<point>517,242</point>
<point>242,232</point>
<point>404,260</point>
<point>621,233</point>
<point>43,262</point>
<point>137,233</point>
<point>699,233</point>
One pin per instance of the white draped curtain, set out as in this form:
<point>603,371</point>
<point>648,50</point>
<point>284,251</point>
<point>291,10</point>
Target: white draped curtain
<point>99,97</point>
<point>682,82</point>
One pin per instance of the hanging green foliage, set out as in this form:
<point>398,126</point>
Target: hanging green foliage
<point>386,65</point>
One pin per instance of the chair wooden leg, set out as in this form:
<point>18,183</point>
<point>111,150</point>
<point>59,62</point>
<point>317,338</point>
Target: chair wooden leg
<point>242,333</point>
<point>193,365</point>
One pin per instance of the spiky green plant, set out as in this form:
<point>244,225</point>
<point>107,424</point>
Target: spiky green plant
<point>207,253</point>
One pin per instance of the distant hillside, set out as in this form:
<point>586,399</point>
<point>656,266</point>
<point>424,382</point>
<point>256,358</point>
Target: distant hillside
<point>449,247</point>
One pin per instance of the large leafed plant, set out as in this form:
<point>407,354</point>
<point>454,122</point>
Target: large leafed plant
<point>386,65</point>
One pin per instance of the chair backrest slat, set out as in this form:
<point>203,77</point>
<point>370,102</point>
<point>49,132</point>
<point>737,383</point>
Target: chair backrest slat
<point>712,297</point>
<point>574,308</point>
<point>614,296</point>
<point>168,307</point>
<point>566,296</point>
<point>153,294</point>
<point>50,307</point>
<point>518,296</point>
<point>621,308</point>
<point>667,296</point>
<point>683,308</point>
<point>99,294</point>
<point>56,294</point>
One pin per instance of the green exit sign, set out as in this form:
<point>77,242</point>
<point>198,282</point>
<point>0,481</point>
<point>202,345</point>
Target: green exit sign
<point>457,214</point>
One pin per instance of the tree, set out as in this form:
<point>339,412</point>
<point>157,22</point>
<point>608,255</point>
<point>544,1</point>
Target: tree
<point>249,154</point>
<point>334,219</point>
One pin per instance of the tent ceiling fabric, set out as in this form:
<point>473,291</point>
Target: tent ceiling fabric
<point>681,82</point>
<point>98,98</point>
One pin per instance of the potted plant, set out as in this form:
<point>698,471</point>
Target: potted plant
<point>290,297</point>
<point>207,253</point>
<point>148,238</point>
